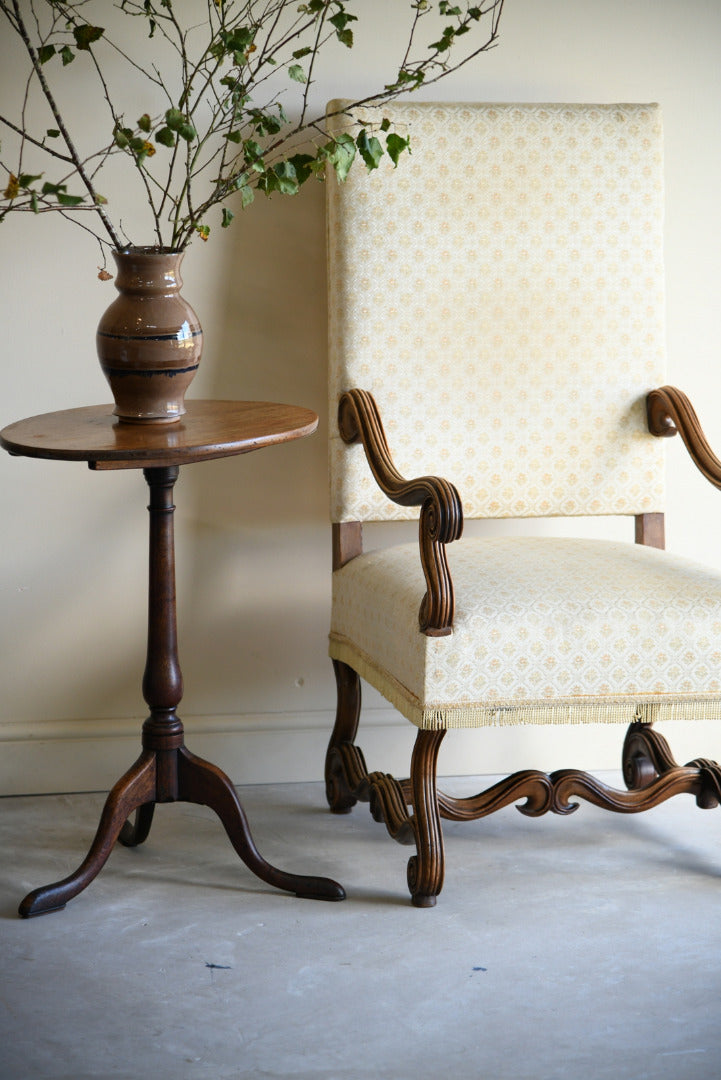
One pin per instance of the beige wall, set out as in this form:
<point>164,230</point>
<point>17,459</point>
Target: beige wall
<point>253,548</point>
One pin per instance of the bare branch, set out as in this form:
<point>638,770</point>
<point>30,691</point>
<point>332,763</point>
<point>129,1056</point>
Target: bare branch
<point>37,67</point>
<point>36,142</point>
<point>222,78</point>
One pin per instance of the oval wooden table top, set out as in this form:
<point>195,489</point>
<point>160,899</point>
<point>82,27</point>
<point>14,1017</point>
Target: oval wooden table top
<point>209,429</point>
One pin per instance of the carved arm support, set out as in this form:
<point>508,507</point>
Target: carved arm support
<point>670,412</point>
<point>441,516</point>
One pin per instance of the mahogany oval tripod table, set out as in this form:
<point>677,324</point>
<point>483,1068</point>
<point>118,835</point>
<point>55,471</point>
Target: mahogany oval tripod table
<point>166,770</point>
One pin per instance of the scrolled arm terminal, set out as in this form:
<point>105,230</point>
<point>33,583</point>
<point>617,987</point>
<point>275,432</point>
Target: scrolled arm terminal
<point>669,413</point>
<point>441,516</point>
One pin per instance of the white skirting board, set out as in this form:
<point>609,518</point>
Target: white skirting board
<point>82,755</point>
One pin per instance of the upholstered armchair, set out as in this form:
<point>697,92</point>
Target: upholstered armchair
<point>497,351</point>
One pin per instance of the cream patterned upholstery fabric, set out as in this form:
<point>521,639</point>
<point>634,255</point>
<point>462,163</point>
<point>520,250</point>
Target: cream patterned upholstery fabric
<point>501,295</point>
<point>546,631</point>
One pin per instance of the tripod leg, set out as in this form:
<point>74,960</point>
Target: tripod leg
<point>136,832</point>
<point>206,784</point>
<point>134,789</point>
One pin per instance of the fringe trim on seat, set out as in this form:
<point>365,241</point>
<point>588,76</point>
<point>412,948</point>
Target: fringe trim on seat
<point>611,710</point>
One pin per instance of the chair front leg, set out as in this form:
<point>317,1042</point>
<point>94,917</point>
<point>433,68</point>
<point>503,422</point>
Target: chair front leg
<point>426,867</point>
<point>338,789</point>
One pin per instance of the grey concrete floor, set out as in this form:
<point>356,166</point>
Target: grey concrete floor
<point>579,947</point>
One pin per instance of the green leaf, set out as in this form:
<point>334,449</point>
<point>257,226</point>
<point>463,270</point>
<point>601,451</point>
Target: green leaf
<point>53,189</point>
<point>267,123</point>
<point>237,40</point>
<point>445,42</point>
<point>253,153</point>
<point>370,149</point>
<point>52,133</point>
<point>280,177</point>
<point>174,119</point>
<point>341,154</point>
<point>45,52</point>
<point>395,145</point>
<point>287,178</point>
<point>405,77</point>
<point>25,179</point>
<point>303,165</point>
<point>340,22</point>
<point>300,53</point>
<point>228,216</point>
<point>296,72</point>
<point>67,55</point>
<point>177,121</point>
<point>69,200</point>
<point>233,136</point>
<point>144,122</point>
<point>246,195</point>
<point>164,136</point>
<point>86,34</point>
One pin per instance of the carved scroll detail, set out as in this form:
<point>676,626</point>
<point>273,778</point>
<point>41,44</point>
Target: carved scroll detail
<point>670,411</point>
<point>570,782</point>
<point>646,755</point>
<point>710,777</point>
<point>388,806</point>
<point>441,516</point>
<point>412,809</point>
<point>552,793</point>
<point>534,786</point>
<point>381,790</point>
<point>650,772</point>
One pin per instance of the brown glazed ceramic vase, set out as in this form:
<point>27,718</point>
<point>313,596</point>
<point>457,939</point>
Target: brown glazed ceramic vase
<point>149,340</point>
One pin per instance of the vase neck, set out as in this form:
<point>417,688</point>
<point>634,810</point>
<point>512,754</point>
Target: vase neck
<point>148,270</point>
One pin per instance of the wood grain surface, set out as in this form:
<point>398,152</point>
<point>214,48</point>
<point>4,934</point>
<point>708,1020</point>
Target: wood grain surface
<point>209,429</point>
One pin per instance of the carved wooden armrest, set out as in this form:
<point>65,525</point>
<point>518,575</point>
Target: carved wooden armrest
<point>670,412</point>
<point>441,516</point>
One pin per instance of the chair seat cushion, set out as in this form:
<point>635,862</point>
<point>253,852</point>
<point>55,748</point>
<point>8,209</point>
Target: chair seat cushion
<point>546,630</point>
